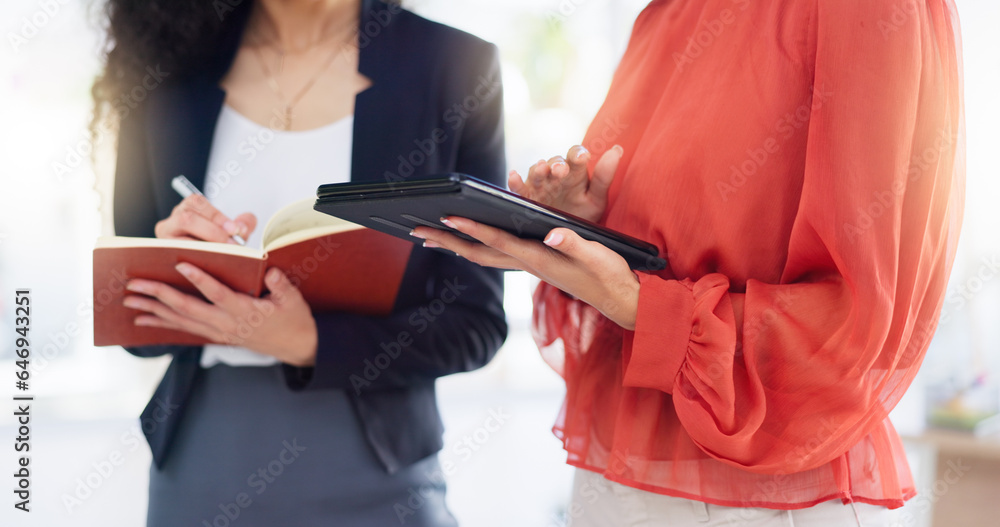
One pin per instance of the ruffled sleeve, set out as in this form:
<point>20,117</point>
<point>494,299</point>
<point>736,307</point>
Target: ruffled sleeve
<point>784,377</point>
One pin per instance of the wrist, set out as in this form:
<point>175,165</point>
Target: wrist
<point>303,353</point>
<point>623,305</point>
<point>631,302</point>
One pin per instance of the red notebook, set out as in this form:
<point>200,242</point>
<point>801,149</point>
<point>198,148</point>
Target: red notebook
<point>336,264</point>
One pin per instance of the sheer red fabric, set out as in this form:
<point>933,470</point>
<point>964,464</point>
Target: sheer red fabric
<point>800,164</point>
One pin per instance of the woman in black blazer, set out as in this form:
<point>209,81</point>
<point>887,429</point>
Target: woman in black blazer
<point>315,439</point>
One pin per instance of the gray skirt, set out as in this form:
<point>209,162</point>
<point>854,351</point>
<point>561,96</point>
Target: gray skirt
<point>250,452</point>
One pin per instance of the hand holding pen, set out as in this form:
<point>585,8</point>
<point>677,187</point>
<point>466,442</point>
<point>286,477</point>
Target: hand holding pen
<point>195,218</point>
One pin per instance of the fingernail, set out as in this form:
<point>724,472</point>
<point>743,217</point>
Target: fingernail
<point>142,322</point>
<point>273,276</point>
<point>184,269</point>
<point>619,149</point>
<point>133,286</point>
<point>130,302</point>
<point>431,245</point>
<point>242,229</point>
<point>557,163</point>
<point>553,239</point>
<point>416,234</point>
<point>449,223</point>
<point>231,227</point>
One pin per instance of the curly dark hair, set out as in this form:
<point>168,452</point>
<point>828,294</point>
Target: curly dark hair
<point>176,36</point>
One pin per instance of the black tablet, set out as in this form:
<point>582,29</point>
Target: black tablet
<point>397,207</point>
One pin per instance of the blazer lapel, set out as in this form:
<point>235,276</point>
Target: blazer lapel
<point>371,121</point>
<point>382,140</point>
<point>182,127</point>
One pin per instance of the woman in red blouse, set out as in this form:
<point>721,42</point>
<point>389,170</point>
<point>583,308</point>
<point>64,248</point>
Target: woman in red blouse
<point>800,165</point>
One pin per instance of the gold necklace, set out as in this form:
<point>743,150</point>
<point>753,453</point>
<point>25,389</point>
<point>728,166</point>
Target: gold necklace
<point>275,40</point>
<point>288,105</point>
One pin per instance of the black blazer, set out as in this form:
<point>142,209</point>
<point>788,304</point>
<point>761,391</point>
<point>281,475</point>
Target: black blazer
<point>434,106</point>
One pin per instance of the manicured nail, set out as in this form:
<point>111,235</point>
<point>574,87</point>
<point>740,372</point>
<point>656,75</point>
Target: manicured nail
<point>553,239</point>
<point>184,269</point>
<point>449,223</point>
<point>431,245</point>
<point>416,234</point>
<point>135,286</point>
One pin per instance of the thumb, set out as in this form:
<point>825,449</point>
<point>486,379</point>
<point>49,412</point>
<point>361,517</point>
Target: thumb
<point>515,182</point>
<point>604,172</point>
<point>567,242</point>
<point>282,289</point>
<point>249,223</point>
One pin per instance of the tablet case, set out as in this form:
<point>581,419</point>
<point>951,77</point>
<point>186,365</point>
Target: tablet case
<point>397,207</point>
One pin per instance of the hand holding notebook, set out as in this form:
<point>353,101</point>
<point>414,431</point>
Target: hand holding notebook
<point>335,265</point>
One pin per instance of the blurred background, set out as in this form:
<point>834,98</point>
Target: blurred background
<point>558,58</point>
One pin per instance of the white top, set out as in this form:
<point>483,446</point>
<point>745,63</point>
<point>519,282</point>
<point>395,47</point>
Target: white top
<point>253,168</point>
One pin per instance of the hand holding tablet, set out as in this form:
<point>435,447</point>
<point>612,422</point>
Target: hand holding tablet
<point>399,207</point>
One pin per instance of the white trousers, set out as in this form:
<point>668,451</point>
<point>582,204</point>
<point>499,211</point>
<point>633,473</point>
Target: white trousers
<point>598,502</point>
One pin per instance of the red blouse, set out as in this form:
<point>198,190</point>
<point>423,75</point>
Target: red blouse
<point>799,163</point>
